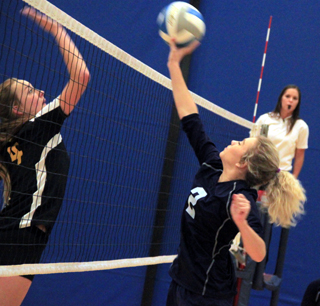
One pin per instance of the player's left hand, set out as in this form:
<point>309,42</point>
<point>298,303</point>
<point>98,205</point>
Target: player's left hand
<point>240,208</point>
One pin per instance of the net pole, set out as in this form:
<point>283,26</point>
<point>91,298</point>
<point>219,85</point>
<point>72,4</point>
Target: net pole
<point>261,73</point>
<point>164,192</point>
<point>241,266</point>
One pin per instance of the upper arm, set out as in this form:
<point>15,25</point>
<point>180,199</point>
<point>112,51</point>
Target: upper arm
<point>202,145</point>
<point>299,153</point>
<point>303,136</point>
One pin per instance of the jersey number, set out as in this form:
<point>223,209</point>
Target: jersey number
<point>196,194</point>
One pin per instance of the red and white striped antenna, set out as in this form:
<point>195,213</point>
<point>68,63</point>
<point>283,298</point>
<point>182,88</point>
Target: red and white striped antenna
<point>262,67</point>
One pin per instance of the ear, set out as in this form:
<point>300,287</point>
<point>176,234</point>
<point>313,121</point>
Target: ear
<point>16,111</point>
<point>242,165</point>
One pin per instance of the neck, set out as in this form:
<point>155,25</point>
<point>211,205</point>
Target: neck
<point>231,175</point>
<point>285,113</point>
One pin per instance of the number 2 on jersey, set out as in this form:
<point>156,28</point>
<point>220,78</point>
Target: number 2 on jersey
<point>196,194</point>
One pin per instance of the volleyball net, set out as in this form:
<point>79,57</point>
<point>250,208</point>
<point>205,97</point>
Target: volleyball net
<point>117,139</point>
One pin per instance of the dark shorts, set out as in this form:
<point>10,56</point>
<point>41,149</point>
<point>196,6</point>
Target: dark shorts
<point>22,246</point>
<point>179,296</point>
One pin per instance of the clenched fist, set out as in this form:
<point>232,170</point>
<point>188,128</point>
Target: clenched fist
<point>240,208</point>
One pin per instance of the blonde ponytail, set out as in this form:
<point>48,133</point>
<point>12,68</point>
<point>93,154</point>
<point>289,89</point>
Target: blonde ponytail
<point>285,199</point>
<point>286,196</point>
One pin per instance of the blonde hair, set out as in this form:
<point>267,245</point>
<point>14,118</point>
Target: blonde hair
<point>285,194</point>
<point>286,198</point>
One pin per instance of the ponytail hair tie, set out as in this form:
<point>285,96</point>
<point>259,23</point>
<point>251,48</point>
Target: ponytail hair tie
<point>278,170</point>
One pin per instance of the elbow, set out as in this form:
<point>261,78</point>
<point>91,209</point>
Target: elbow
<point>260,255</point>
<point>84,77</point>
<point>259,258</point>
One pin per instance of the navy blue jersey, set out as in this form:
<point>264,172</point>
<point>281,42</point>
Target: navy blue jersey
<point>38,165</point>
<point>204,264</point>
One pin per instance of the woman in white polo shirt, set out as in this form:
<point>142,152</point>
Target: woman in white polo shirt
<point>287,131</point>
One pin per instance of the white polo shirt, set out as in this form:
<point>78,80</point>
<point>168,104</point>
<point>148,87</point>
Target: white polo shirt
<point>286,143</point>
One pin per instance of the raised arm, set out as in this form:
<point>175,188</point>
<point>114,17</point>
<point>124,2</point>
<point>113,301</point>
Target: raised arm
<point>78,71</point>
<point>182,97</point>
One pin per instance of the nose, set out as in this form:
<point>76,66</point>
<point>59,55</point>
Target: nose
<point>41,93</point>
<point>233,142</point>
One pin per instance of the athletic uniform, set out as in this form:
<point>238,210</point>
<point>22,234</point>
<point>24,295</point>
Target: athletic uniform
<point>38,165</point>
<point>204,267</point>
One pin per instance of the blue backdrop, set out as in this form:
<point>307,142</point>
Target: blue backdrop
<point>225,70</point>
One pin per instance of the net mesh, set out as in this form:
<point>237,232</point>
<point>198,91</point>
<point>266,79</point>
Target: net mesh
<point>116,138</point>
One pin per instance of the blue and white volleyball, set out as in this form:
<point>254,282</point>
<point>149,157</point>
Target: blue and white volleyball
<point>181,21</point>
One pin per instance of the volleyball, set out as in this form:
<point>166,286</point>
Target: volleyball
<point>181,21</point>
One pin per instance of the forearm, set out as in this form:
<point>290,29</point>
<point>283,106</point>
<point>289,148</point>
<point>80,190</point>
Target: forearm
<point>182,97</point>
<point>298,163</point>
<point>252,242</point>
<point>75,64</point>
<point>77,68</point>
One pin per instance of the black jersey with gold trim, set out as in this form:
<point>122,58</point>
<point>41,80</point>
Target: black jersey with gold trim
<point>38,165</point>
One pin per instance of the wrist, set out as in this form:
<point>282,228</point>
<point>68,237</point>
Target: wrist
<point>172,65</point>
<point>242,224</point>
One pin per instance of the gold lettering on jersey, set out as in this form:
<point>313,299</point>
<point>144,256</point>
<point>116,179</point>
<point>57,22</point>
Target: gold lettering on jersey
<point>15,154</point>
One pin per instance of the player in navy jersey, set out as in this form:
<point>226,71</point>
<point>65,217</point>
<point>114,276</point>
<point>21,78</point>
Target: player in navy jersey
<point>221,203</point>
<point>34,161</point>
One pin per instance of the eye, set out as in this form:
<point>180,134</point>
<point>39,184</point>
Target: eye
<point>30,91</point>
<point>239,143</point>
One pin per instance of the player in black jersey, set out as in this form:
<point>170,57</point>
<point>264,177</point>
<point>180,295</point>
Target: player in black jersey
<point>222,203</point>
<point>34,161</point>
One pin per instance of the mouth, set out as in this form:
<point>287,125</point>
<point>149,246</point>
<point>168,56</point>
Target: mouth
<point>289,106</point>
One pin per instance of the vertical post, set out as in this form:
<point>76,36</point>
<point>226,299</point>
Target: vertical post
<point>161,210</point>
<point>280,264</point>
<point>246,277</point>
<point>258,281</point>
<point>271,282</point>
<point>165,186</point>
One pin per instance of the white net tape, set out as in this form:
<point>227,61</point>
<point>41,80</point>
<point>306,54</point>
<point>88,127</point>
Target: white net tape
<point>30,269</point>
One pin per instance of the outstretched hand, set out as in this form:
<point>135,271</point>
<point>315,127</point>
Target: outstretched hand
<point>42,20</point>
<point>240,208</point>
<point>177,54</point>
